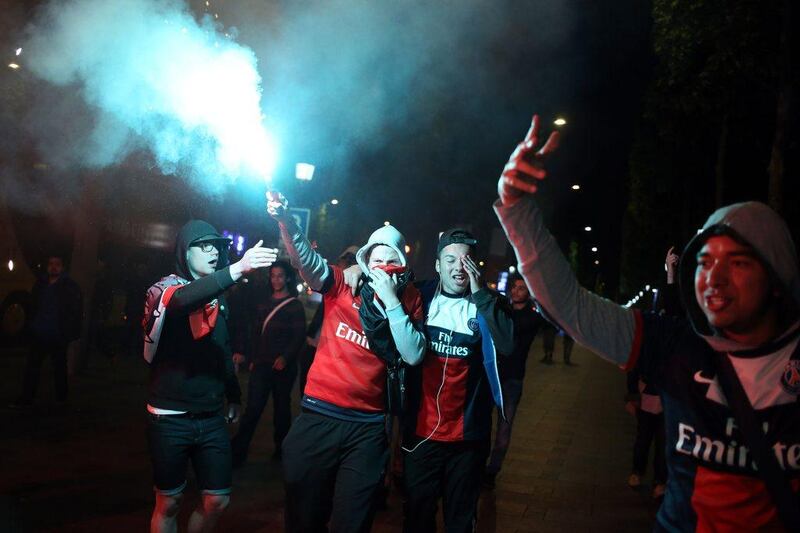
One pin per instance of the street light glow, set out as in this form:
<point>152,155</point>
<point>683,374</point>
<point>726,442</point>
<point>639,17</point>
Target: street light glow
<point>587,228</point>
<point>334,202</point>
<point>13,65</point>
<point>596,262</point>
<point>304,171</point>
<point>407,249</point>
<point>18,51</point>
<point>512,269</point>
<point>594,248</point>
<point>386,222</point>
<point>560,121</point>
<point>576,187</point>
<point>10,264</point>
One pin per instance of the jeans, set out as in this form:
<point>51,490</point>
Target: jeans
<point>649,430</point>
<point>174,440</point>
<point>512,392</point>
<point>263,381</point>
<point>57,350</point>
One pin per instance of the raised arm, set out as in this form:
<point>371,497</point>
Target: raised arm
<point>601,325</point>
<point>202,290</point>
<point>312,267</point>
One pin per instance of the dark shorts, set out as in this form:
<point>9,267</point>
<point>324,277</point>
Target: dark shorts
<point>175,440</point>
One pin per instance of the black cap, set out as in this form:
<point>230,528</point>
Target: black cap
<point>455,236</point>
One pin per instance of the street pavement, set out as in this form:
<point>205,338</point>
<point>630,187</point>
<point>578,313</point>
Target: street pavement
<point>85,467</point>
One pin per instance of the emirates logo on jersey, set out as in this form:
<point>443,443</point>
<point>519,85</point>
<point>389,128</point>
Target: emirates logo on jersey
<point>343,331</point>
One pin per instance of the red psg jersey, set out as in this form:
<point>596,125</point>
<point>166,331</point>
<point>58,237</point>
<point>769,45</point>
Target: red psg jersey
<point>453,378</point>
<point>345,372</point>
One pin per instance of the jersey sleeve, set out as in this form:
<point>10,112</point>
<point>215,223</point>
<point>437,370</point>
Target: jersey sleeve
<point>654,341</point>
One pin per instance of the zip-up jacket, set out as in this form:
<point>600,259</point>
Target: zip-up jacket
<point>465,333</point>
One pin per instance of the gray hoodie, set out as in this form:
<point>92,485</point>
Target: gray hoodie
<point>766,233</point>
<point>609,329</point>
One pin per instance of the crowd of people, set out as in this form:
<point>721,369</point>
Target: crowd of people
<point>392,365</point>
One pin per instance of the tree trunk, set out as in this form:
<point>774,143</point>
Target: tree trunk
<point>719,169</point>
<point>83,267</point>
<point>776,166</point>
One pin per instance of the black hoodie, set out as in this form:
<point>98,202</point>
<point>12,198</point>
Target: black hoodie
<point>190,374</point>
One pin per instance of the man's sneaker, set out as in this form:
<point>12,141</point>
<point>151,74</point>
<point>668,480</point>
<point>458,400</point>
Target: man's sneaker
<point>634,481</point>
<point>658,492</point>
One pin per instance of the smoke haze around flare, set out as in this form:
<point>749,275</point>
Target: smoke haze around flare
<point>155,79</point>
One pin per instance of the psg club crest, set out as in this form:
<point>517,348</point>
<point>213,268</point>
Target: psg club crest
<point>472,324</point>
<point>790,379</point>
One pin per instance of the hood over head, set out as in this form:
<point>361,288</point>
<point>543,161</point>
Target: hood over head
<point>195,231</point>
<point>387,235</point>
<point>758,226</point>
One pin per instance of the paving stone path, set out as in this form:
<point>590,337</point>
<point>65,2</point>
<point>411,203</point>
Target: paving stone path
<point>85,468</point>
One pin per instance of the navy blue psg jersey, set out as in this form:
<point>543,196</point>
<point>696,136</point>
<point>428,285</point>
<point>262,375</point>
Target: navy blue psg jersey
<point>713,481</point>
<point>455,402</point>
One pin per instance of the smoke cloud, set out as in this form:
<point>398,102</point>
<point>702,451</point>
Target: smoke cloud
<point>150,77</point>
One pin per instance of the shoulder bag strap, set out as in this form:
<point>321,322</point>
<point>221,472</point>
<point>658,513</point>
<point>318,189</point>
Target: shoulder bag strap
<point>274,311</point>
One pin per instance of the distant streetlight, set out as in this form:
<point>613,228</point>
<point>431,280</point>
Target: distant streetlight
<point>512,269</point>
<point>560,121</point>
<point>18,51</point>
<point>647,287</point>
<point>304,171</point>
<point>334,202</point>
<point>594,248</point>
<point>10,264</point>
<point>596,262</point>
<point>587,228</point>
<point>576,187</point>
<point>480,263</point>
<point>641,293</point>
<point>13,65</point>
<point>408,249</point>
<point>386,222</point>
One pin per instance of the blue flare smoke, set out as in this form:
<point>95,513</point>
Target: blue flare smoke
<point>158,79</point>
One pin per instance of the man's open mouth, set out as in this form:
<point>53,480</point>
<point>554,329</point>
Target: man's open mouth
<point>716,303</point>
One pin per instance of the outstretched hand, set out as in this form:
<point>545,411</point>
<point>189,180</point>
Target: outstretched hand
<point>525,167</point>
<point>255,257</point>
